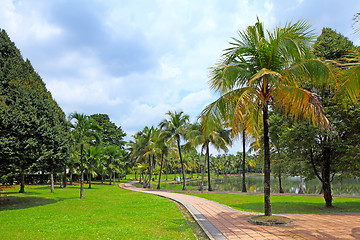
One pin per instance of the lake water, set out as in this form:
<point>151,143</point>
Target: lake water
<point>254,183</point>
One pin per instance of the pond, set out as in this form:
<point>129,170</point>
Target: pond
<point>254,183</point>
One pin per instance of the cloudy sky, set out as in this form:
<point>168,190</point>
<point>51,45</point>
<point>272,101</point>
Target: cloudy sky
<point>136,59</point>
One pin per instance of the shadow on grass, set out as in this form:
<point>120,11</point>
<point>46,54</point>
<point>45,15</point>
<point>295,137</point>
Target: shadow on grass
<point>13,202</point>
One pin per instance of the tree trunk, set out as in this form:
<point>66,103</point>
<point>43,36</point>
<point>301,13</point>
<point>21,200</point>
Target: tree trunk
<point>152,165</point>
<point>166,172</point>
<point>280,183</point>
<point>161,166</point>
<point>208,165</point>
<point>325,178</point>
<point>61,180</point>
<point>182,165</point>
<point>110,178</point>
<point>326,183</point>
<point>202,175</point>
<point>52,181</point>
<point>65,179</point>
<point>243,165</point>
<point>71,177</point>
<point>267,203</point>
<point>102,179</point>
<point>89,180</point>
<point>22,180</point>
<point>301,190</point>
<point>114,178</point>
<point>82,173</point>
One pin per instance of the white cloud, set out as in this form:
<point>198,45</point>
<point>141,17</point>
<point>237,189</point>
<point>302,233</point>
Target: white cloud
<point>135,60</point>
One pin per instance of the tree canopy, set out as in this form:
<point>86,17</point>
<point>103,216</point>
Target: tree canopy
<point>34,131</point>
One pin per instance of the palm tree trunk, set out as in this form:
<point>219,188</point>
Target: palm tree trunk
<point>52,181</point>
<point>243,165</point>
<point>82,173</point>
<point>208,164</point>
<point>266,162</point>
<point>202,175</point>
<point>152,165</point>
<point>114,178</point>
<point>182,166</point>
<point>166,170</point>
<point>161,166</point>
<point>89,180</point>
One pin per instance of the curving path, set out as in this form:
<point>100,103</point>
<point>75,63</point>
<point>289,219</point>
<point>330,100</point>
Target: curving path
<point>221,222</point>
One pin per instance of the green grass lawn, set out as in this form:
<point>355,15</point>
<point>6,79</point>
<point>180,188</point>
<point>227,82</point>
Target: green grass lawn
<point>283,204</point>
<point>107,212</point>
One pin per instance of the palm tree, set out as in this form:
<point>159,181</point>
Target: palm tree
<point>113,154</point>
<point>94,154</point>
<point>163,147</point>
<point>263,69</point>
<point>204,135</point>
<point>143,150</point>
<point>174,129</point>
<point>84,131</point>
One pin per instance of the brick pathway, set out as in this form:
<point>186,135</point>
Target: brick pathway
<point>221,222</point>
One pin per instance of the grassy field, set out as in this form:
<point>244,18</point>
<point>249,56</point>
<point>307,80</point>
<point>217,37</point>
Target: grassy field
<point>107,212</point>
<point>283,204</point>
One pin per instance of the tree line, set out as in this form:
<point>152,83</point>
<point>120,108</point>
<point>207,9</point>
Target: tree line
<point>294,97</point>
<point>37,140</point>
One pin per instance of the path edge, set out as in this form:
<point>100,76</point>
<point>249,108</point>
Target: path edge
<point>197,220</point>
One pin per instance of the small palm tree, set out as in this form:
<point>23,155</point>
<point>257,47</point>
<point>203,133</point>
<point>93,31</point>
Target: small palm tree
<point>94,154</point>
<point>84,131</point>
<point>113,155</point>
<point>263,69</point>
<point>204,135</point>
<point>163,148</point>
<point>175,129</point>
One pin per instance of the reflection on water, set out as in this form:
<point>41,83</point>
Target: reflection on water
<point>254,183</point>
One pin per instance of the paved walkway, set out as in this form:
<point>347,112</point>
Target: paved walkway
<point>221,222</point>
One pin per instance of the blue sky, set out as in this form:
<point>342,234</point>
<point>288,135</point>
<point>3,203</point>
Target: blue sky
<point>135,60</point>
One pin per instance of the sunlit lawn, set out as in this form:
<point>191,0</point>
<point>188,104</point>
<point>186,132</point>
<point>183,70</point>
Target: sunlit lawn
<point>283,204</point>
<point>107,212</point>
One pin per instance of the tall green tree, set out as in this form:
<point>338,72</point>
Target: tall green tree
<point>110,134</point>
<point>33,132</point>
<point>262,69</point>
<point>84,131</point>
<point>174,128</point>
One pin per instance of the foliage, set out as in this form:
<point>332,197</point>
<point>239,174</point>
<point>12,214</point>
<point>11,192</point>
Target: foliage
<point>174,129</point>
<point>263,69</point>
<point>111,134</point>
<point>34,132</point>
<point>332,45</point>
<point>84,131</point>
